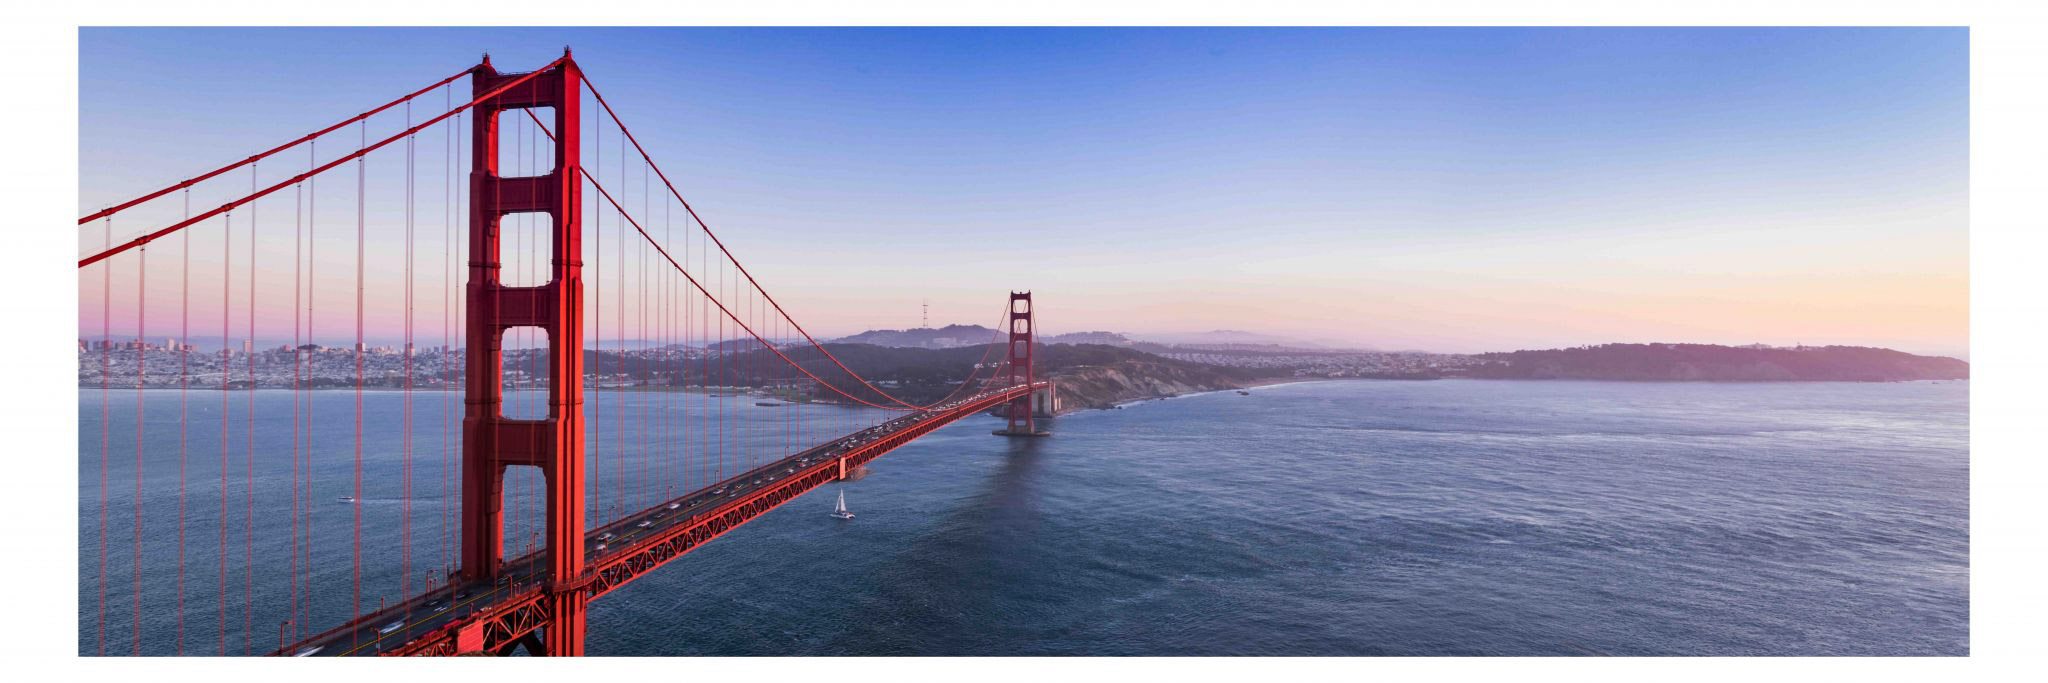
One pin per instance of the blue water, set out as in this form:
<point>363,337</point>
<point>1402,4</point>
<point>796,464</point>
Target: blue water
<point>1346,518</point>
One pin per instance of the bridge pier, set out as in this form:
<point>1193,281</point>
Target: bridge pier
<point>1044,403</point>
<point>565,628</point>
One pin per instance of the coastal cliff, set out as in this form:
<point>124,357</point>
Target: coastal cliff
<point>1104,386</point>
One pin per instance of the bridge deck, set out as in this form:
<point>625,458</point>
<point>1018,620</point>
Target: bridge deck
<point>494,615</point>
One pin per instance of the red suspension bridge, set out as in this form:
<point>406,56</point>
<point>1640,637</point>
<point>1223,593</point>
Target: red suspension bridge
<point>480,525</point>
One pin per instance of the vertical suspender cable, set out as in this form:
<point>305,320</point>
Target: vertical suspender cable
<point>510,348</point>
<point>447,328</point>
<point>597,330</point>
<point>298,264</point>
<point>184,386</point>
<point>750,373</point>
<point>683,368</point>
<point>356,579</point>
<point>651,463</point>
<point>227,233</point>
<point>405,448</point>
<point>141,378</point>
<point>658,407</point>
<point>313,363</point>
<point>465,158</point>
<point>497,222</point>
<point>249,455</point>
<point>106,420</point>
<point>715,460</point>
<point>667,345</point>
<point>527,224</point>
<point>619,416</point>
<point>719,406</point>
<point>539,236</point>
<point>640,312</point>
<point>524,268</point>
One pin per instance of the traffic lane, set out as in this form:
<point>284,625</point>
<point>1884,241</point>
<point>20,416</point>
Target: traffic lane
<point>475,596</point>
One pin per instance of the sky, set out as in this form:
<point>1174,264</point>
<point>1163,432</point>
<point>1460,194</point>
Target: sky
<point>1444,189</point>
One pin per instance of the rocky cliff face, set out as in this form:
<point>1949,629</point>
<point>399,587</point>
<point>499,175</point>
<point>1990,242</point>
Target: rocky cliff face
<point>1104,386</point>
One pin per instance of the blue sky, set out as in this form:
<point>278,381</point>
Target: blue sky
<point>1448,189</point>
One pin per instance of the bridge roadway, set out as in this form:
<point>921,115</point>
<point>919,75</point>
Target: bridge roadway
<point>620,551</point>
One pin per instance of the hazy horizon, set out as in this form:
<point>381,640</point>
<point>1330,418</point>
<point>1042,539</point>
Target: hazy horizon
<point>1441,189</point>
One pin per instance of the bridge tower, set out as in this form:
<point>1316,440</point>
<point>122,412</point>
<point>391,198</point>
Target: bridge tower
<point>1021,411</point>
<point>491,443</point>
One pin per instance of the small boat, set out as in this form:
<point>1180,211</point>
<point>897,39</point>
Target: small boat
<point>841,513</point>
<point>1242,392</point>
<point>768,404</point>
<point>347,499</point>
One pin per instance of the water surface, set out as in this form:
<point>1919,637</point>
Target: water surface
<point>1370,518</point>
<point>1328,518</point>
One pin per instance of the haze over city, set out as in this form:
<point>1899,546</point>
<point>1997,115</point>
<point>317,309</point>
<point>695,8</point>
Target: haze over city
<point>1449,190</point>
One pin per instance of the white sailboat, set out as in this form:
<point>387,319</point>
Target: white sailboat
<point>841,511</point>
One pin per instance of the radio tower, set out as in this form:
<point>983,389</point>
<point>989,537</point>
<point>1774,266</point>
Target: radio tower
<point>924,319</point>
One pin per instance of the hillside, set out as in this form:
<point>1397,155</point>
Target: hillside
<point>1099,376</point>
<point>1708,362</point>
<point>950,336</point>
<point>1089,375</point>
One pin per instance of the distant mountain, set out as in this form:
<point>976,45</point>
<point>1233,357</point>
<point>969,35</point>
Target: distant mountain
<point>1096,337</point>
<point>1230,338</point>
<point>952,336</point>
<point>1709,362</point>
<point>946,337</point>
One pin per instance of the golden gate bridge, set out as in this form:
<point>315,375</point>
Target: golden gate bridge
<point>648,300</point>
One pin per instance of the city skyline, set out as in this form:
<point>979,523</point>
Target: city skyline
<point>1451,190</point>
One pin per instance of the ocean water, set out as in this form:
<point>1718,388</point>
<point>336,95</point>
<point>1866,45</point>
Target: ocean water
<point>1328,518</point>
